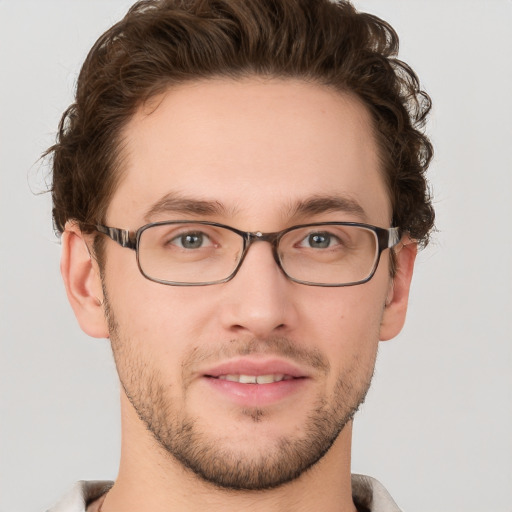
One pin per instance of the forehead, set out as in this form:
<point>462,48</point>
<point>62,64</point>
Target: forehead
<point>255,147</point>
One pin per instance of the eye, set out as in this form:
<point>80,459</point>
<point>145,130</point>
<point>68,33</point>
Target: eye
<point>320,240</point>
<point>191,240</point>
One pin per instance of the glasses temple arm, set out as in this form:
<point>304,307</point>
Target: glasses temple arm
<point>122,236</point>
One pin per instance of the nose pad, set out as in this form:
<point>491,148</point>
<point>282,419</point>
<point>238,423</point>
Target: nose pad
<point>258,300</point>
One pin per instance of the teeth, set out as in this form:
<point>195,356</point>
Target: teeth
<point>255,379</point>
<point>268,379</point>
<point>247,379</point>
<point>232,378</point>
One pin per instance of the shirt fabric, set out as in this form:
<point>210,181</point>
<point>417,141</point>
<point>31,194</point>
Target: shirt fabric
<point>368,494</point>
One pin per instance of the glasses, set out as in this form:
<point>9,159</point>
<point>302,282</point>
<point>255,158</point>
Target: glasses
<point>199,253</point>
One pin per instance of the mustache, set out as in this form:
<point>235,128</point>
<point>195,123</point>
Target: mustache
<point>274,346</point>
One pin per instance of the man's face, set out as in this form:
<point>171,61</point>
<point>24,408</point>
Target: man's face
<point>257,151</point>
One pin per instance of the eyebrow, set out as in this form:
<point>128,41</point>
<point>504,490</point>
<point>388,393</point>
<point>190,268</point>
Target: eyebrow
<point>175,203</point>
<point>327,204</point>
<point>316,205</point>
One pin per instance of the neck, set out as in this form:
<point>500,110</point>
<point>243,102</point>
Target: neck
<point>151,479</point>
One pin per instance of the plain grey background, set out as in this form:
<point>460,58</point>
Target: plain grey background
<point>437,426</point>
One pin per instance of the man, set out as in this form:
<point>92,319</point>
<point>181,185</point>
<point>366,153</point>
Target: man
<point>240,191</point>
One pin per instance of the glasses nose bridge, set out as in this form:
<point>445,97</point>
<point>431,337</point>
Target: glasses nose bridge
<point>257,236</point>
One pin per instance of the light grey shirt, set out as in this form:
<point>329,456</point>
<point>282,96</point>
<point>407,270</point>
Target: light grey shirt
<point>368,495</point>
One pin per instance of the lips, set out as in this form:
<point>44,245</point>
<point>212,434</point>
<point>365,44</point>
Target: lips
<point>256,371</point>
<point>254,381</point>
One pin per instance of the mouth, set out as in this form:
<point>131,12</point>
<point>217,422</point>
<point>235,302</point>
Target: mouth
<point>254,379</point>
<point>256,370</point>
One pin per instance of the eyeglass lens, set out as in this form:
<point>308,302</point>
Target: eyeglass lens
<point>202,253</point>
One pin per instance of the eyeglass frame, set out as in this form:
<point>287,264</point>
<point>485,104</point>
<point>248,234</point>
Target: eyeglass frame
<point>387,238</point>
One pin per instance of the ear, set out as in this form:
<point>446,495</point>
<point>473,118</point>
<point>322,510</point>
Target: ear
<point>395,308</point>
<point>81,276</point>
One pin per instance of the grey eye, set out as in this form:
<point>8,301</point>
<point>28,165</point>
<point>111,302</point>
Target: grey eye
<point>190,240</point>
<point>319,240</point>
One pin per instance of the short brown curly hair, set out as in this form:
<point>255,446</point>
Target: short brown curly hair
<point>160,43</point>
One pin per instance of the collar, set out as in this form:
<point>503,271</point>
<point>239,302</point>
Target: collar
<point>369,495</point>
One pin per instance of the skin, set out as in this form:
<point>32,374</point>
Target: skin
<point>258,148</point>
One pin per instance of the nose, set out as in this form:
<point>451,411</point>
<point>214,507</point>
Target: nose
<point>258,301</point>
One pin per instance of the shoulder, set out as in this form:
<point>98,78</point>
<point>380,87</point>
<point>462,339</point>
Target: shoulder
<point>81,495</point>
<point>369,494</point>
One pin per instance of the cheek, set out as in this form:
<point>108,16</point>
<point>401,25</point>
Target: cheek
<point>346,321</point>
<point>156,323</point>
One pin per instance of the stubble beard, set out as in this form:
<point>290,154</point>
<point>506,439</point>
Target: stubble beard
<point>210,457</point>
